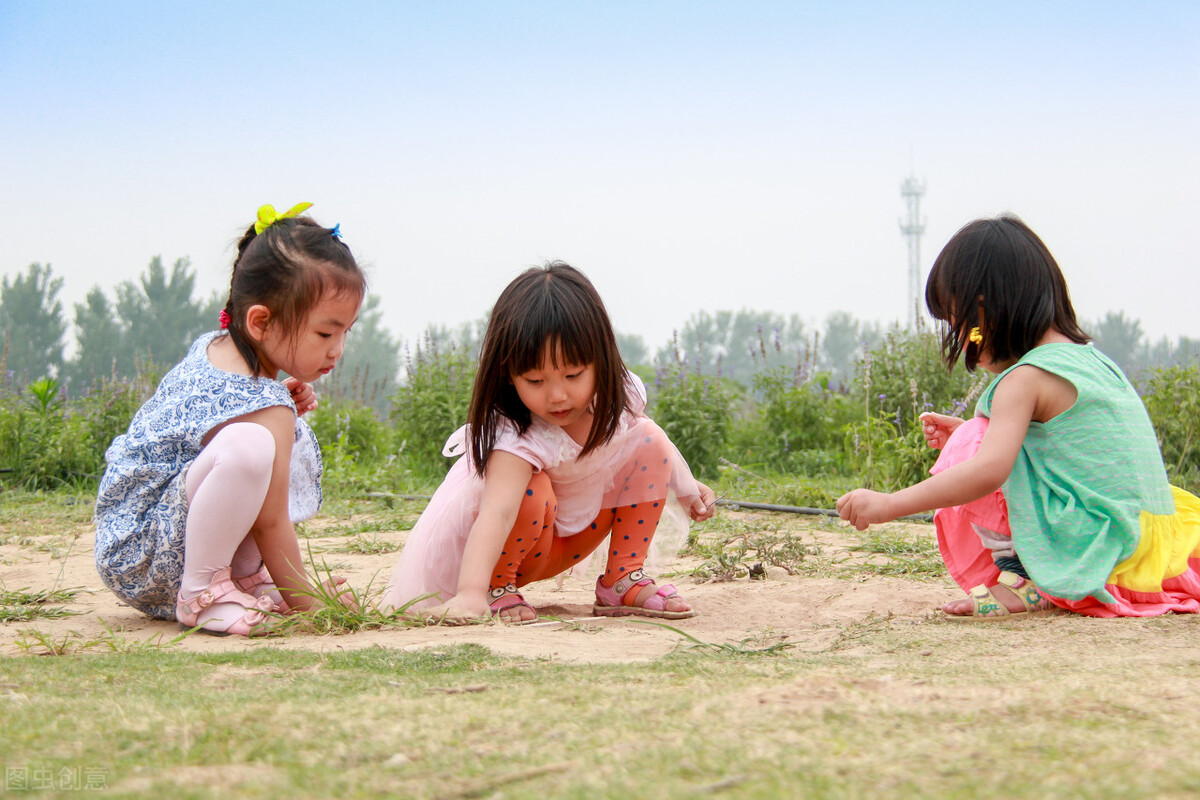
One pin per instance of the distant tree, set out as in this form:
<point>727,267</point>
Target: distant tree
<point>1163,353</point>
<point>633,348</point>
<point>1119,338</point>
<point>466,336</point>
<point>32,323</point>
<point>841,346</point>
<point>738,344</point>
<point>368,369</point>
<point>100,350</point>
<point>159,315</point>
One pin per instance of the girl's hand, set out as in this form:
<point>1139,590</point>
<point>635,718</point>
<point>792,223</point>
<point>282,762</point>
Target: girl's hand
<point>862,507</point>
<point>459,609</point>
<point>937,428</point>
<point>704,505</point>
<point>303,395</point>
<point>332,586</point>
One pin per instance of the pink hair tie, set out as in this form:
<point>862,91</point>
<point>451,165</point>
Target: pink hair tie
<point>225,319</point>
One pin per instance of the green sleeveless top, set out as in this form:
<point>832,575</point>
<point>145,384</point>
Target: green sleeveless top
<point>1083,479</point>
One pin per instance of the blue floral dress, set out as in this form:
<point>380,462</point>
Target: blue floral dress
<point>141,511</point>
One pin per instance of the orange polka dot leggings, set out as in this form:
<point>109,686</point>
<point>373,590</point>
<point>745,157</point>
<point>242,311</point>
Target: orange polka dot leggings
<point>532,552</point>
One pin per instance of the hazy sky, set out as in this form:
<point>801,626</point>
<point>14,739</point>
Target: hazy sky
<point>686,155</point>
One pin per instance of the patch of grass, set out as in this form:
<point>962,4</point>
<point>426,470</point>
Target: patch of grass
<point>367,546</point>
<point>884,713</point>
<point>26,513</point>
<point>347,517</point>
<point>908,553</point>
<point>23,605</point>
<point>342,609</point>
<point>762,644</point>
<point>749,552</point>
<point>38,643</point>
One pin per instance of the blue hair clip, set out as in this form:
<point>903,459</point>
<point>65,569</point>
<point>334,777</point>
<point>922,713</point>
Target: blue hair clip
<point>337,231</point>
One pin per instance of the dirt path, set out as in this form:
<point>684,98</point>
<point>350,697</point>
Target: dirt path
<point>809,611</point>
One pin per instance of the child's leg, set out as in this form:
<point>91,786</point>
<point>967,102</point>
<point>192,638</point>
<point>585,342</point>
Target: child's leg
<point>975,539</point>
<point>632,526</point>
<point>1000,545</point>
<point>533,553</point>
<point>251,575</point>
<point>527,547</point>
<point>226,486</point>
<point>632,529</point>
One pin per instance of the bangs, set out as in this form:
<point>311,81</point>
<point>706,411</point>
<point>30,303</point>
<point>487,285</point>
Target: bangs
<point>558,328</point>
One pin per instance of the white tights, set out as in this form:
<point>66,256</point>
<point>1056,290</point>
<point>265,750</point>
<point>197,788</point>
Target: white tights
<point>226,486</point>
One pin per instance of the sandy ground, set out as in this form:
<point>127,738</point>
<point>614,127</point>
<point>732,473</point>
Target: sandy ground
<point>808,611</point>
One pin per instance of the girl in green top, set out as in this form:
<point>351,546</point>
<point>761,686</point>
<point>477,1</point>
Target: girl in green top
<point>1055,494</point>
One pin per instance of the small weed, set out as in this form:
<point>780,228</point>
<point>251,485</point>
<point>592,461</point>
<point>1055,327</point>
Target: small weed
<point>22,605</point>
<point>855,632</point>
<point>750,646</point>
<point>912,555</point>
<point>343,609</point>
<point>116,640</point>
<point>748,554</point>
<point>368,546</point>
<point>34,642</point>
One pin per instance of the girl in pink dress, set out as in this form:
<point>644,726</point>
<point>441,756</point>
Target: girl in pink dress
<point>558,456</point>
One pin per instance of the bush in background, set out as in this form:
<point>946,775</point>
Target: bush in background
<point>432,403</point>
<point>1172,396</point>
<point>696,412</point>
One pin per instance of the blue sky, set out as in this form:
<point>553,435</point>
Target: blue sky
<point>686,155</point>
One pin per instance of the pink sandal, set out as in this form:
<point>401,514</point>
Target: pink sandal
<point>261,584</point>
<point>506,597</point>
<point>618,600</point>
<point>223,590</point>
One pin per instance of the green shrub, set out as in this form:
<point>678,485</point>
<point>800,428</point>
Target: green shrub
<point>108,408</point>
<point>353,428</point>
<point>887,453</point>
<point>358,449</point>
<point>696,412</point>
<point>1172,397</point>
<point>432,403</point>
<point>42,443</point>
<point>905,376</point>
<point>795,426</point>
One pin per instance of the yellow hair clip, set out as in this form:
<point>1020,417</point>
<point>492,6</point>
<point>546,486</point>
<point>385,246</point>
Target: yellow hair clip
<point>267,216</point>
<point>975,336</point>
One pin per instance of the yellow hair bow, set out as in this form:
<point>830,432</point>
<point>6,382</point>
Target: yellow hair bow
<point>975,336</point>
<point>267,216</point>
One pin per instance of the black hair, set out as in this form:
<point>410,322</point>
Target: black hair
<point>1002,266</point>
<point>547,313</point>
<point>288,268</point>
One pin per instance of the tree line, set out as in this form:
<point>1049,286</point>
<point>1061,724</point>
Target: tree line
<point>146,325</point>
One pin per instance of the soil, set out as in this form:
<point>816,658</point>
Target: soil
<point>809,610</point>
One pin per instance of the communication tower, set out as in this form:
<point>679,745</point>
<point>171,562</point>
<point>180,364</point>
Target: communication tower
<point>912,228</point>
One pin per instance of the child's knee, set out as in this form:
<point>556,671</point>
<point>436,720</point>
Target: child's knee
<point>651,464</point>
<point>246,448</point>
<point>539,499</point>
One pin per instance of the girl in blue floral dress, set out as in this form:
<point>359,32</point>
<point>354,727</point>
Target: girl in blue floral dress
<point>195,510</point>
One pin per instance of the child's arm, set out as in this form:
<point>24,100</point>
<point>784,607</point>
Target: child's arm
<point>504,484</point>
<point>1013,407</point>
<point>273,530</point>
